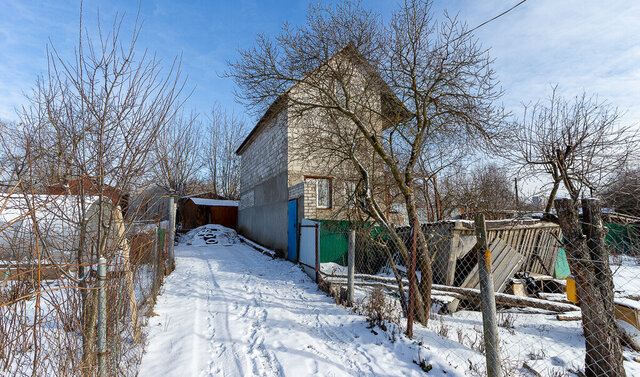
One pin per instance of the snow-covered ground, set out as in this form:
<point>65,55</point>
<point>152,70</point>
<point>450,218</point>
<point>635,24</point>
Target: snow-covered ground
<point>626,276</point>
<point>232,311</point>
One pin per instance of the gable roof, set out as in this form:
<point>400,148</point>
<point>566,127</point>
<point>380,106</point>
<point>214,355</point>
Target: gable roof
<point>281,100</point>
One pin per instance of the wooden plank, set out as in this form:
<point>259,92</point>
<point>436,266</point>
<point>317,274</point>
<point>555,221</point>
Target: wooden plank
<point>525,249</point>
<point>537,248</point>
<point>628,313</point>
<point>505,261</point>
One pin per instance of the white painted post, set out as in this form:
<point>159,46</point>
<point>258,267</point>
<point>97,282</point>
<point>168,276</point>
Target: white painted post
<point>102,317</point>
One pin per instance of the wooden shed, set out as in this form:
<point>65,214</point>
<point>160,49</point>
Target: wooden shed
<point>201,211</point>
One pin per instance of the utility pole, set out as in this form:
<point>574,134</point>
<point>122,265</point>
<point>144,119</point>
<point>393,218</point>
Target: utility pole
<point>515,181</point>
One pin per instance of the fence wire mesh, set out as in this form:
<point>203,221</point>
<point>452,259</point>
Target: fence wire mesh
<point>540,281</point>
<point>49,286</point>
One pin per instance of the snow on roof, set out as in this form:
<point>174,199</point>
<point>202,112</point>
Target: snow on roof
<point>214,202</point>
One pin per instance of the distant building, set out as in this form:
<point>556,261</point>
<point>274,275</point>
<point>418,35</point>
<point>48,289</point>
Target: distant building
<point>200,211</point>
<point>89,186</point>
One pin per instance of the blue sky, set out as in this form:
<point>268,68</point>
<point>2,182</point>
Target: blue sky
<point>591,45</point>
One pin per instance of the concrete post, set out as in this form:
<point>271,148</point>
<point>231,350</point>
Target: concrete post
<point>489,317</point>
<point>102,317</point>
<point>351,260</point>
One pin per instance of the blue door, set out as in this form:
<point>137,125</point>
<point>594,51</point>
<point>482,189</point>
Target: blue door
<point>292,230</point>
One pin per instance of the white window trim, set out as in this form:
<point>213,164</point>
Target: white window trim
<point>328,193</point>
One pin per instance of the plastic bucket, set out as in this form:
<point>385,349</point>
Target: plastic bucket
<point>572,294</point>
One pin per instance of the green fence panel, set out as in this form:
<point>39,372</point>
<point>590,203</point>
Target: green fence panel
<point>561,270</point>
<point>334,241</point>
<point>623,238</point>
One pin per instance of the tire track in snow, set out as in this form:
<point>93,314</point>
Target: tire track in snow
<point>229,352</point>
<point>264,362</point>
<point>255,316</point>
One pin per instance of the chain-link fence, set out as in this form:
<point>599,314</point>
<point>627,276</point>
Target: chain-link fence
<point>562,305</point>
<point>55,319</point>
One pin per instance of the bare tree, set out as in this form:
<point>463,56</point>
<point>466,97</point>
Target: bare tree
<point>576,143</point>
<point>580,145</point>
<point>92,120</point>
<point>622,193</point>
<point>380,93</point>
<point>486,188</point>
<point>177,150</point>
<point>225,132</point>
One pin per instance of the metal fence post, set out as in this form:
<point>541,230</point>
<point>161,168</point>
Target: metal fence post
<point>489,318</point>
<point>172,232</point>
<point>102,317</point>
<point>351,260</point>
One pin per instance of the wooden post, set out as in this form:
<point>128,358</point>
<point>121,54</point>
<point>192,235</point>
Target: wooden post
<point>351,260</point>
<point>412,278</point>
<point>488,301</point>
<point>126,259</point>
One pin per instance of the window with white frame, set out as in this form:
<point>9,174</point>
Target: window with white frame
<point>350,194</point>
<point>323,192</point>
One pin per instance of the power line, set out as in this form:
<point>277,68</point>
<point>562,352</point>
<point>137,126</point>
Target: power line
<point>496,17</point>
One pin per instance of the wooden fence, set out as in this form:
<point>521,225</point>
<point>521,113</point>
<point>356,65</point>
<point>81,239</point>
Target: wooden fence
<point>451,242</point>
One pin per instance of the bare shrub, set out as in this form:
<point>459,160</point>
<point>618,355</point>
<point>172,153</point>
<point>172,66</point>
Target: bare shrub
<point>442,328</point>
<point>477,343</point>
<point>379,309</point>
<point>507,321</point>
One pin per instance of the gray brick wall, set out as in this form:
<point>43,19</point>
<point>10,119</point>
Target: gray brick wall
<point>296,191</point>
<point>310,209</point>
<point>265,157</point>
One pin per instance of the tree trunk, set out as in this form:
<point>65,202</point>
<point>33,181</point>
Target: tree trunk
<point>89,318</point>
<point>593,229</point>
<point>552,197</point>
<point>423,295</point>
<point>603,350</point>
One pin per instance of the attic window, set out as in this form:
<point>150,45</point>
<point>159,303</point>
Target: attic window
<point>323,193</point>
<point>340,96</point>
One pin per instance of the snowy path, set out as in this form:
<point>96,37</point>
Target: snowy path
<point>231,311</point>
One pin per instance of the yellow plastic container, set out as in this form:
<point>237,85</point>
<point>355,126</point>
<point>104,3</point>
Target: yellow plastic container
<point>572,294</point>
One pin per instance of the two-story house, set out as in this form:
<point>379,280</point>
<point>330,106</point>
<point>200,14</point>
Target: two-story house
<point>291,162</point>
